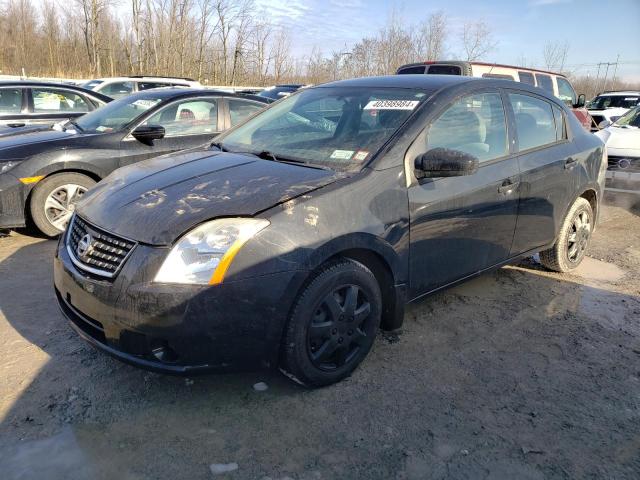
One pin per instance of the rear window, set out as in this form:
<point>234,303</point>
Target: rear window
<point>419,69</point>
<point>444,70</point>
<point>527,77</point>
<point>10,100</point>
<point>545,82</point>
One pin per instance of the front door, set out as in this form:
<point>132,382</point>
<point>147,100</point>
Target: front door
<point>460,225</point>
<point>188,123</point>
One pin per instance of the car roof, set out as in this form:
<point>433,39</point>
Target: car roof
<point>417,81</point>
<point>139,78</point>
<point>68,86</point>
<point>177,92</point>
<point>620,93</point>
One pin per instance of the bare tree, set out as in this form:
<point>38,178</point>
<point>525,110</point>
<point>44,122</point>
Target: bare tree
<point>555,55</point>
<point>432,37</point>
<point>477,40</point>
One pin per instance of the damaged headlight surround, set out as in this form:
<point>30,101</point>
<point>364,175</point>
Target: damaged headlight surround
<point>6,166</point>
<point>202,256</point>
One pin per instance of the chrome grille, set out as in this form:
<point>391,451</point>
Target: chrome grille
<point>96,251</point>
<point>624,164</point>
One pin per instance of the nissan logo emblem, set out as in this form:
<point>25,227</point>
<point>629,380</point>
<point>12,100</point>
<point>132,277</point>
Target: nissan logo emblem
<point>84,246</point>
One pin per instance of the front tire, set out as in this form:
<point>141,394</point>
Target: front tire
<point>333,324</point>
<point>53,201</point>
<point>572,242</point>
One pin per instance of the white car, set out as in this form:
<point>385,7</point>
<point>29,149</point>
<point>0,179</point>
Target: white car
<point>118,87</point>
<point>608,107</point>
<point>623,146</point>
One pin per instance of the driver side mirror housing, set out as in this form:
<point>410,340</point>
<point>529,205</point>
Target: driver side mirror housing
<point>582,100</point>
<point>148,133</point>
<point>445,162</point>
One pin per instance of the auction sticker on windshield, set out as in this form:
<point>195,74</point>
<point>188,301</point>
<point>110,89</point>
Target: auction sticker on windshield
<point>391,105</point>
<point>342,154</point>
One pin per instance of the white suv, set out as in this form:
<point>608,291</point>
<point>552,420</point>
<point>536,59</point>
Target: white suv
<point>610,106</point>
<point>118,87</point>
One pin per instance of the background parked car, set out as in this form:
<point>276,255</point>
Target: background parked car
<point>623,146</point>
<point>24,103</point>
<point>610,106</point>
<point>46,172</point>
<point>279,91</point>
<point>118,87</point>
<point>554,83</point>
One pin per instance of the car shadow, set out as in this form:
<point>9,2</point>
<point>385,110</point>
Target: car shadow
<point>486,356</point>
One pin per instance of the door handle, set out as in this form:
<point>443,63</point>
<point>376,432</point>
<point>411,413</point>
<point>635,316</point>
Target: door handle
<point>570,163</point>
<point>508,187</point>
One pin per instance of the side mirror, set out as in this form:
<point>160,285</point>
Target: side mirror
<point>582,100</point>
<point>604,124</point>
<point>445,162</point>
<point>148,133</point>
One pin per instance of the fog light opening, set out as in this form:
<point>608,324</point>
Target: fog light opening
<point>161,350</point>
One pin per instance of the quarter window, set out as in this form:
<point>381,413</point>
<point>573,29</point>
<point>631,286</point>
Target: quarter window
<point>193,117</point>
<point>54,101</point>
<point>239,110</point>
<point>535,124</point>
<point>545,82</point>
<point>566,93</point>
<point>10,100</point>
<point>527,77</point>
<point>474,124</point>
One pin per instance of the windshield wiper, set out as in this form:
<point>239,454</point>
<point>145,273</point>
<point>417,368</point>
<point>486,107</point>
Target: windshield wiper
<point>77,127</point>
<point>219,146</point>
<point>267,155</point>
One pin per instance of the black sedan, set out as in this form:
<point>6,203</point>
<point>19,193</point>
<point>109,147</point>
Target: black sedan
<point>306,228</point>
<point>25,103</point>
<point>44,172</point>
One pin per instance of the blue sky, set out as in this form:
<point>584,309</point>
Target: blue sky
<point>597,30</point>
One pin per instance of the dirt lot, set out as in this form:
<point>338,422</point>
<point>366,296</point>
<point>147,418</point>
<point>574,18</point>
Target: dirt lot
<point>517,374</point>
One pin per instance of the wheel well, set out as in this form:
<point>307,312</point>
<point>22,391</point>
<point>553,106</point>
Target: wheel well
<point>592,197</point>
<point>391,315</point>
<point>27,210</point>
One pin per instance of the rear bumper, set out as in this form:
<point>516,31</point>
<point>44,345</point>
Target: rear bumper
<point>12,201</point>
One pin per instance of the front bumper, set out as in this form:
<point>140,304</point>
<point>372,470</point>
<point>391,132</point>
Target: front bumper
<point>619,181</point>
<point>12,201</point>
<point>176,329</point>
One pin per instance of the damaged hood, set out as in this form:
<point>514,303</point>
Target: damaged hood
<point>158,200</point>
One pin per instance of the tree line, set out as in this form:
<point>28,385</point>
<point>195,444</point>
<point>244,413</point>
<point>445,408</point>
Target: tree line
<point>218,42</point>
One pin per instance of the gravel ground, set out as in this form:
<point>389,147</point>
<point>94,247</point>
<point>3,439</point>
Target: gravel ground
<point>520,373</point>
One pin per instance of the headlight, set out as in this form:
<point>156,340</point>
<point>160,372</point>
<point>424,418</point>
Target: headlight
<point>6,166</point>
<point>203,255</point>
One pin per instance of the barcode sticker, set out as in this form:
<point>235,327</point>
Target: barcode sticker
<point>391,105</point>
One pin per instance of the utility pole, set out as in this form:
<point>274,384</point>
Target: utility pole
<point>615,70</point>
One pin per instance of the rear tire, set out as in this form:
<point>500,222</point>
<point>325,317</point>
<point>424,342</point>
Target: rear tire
<point>333,324</point>
<point>53,201</point>
<point>570,246</point>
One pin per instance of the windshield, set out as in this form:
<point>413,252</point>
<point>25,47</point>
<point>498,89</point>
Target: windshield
<point>336,127</point>
<point>630,119</point>
<point>91,84</point>
<point>115,115</point>
<point>602,102</point>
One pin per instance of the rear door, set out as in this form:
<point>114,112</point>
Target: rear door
<point>546,161</point>
<point>461,225</point>
<point>188,123</point>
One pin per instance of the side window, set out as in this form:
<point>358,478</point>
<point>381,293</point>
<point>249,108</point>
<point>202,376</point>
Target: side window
<point>190,117</point>
<point>497,75</point>
<point>412,70</point>
<point>561,128</point>
<point>545,82</point>
<point>47,100</point>
<point>444,70</point>
<point>10,101</point>
<point>566,93</point>
<point>239,110</point>
<point>535,124</point>
<point>527,77</point>
<point>474,124</point>
<point>117,89</point>
<point>150,85</point>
